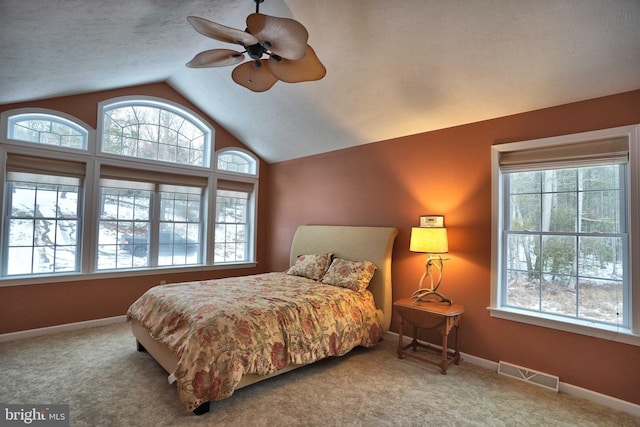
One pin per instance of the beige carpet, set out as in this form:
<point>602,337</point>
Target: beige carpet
<point>106,382</point>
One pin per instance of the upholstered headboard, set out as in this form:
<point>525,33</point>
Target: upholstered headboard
<point>355,243</point>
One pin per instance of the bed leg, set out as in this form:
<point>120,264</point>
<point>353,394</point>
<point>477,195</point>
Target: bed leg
<point>140,347</point>
<point>202,409</point>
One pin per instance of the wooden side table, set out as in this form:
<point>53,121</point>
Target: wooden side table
<point>429,315</point>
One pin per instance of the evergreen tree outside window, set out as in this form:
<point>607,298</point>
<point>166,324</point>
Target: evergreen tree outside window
<point>564,243</point>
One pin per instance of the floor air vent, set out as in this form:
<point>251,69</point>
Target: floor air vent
<point>527,375</point>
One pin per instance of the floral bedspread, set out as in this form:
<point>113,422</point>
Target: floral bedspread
<point>222,329</point>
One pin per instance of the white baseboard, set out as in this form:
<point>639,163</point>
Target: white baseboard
<point>583,393</point>
<point>12,336</point>
<point>603,399</point>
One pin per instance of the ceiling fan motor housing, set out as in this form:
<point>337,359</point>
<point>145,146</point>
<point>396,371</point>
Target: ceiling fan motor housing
<point>256,51</point>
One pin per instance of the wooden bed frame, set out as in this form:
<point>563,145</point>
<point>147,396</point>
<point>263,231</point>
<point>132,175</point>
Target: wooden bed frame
<point>373,244</point>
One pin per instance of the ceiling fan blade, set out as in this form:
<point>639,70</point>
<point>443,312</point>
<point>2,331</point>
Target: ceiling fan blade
<point>307,69</point>
<point>216,58</point>
<point>257,79</point>
<point>287,38</point>
<point>221,32</point>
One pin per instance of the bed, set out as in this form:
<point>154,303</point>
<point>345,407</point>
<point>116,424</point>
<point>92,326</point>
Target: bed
<point>244,339</point>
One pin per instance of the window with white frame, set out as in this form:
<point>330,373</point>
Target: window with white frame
<point>149,129</point>
<point>144,223</point>
<point>233,160</point>
<point>42,222</point>
<point>562,241</point>
<point>140,193</point>
<point>232,225</point>
<point>235,207</point>
<point>181,226</point>
<point>48,129</point>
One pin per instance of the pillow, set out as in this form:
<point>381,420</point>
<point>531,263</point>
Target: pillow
<point>310,266</point>
<point>354,275</point>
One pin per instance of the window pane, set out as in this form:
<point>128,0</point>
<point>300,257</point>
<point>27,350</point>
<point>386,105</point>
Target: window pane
<point>560,180</point>
<point>523,252</point>
<point>43,226</point>
<point>600,178</point>
<point>526,182</point>
<point>600,212</point>
<point>601,257</point>
<point>523,290</point>
<point>525,212</point>
<point>559,254</point>
<point>601,300</point>
<point>21,232</point>
<point>558,294</point>
<point>559,212</point>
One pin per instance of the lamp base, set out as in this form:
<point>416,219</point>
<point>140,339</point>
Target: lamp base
<point>421,294</point>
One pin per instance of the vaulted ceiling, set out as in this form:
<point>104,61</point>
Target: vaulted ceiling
<point>394,68</point>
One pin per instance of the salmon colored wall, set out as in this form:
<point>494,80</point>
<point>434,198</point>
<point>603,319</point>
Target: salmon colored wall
<point>448,172</point>
<point>35,306</point>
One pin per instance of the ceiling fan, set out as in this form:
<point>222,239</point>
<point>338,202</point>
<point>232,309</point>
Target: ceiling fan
<point>277,48</point>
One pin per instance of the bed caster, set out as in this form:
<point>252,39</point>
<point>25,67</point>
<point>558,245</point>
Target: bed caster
<point>202,409</point>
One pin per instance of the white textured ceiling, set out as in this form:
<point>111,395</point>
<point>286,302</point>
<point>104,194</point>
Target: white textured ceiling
<point>394,67</point>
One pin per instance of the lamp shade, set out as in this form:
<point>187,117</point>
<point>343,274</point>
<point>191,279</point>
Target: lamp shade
<point>430,240</point>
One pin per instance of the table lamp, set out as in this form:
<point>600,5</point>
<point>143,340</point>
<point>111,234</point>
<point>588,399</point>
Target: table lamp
<point>430,240</point>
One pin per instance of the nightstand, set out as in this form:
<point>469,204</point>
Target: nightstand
<point>429,315</point>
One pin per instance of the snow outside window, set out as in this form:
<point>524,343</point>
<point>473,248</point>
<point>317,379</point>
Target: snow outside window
<point>232,226</point>
<point>132,234</point>
<point>43,224</point>
<point>142,191</point>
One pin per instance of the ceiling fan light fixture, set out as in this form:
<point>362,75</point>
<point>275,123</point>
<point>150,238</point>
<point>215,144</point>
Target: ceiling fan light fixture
<point>256,79</point>
<point>282,40</point>
<point>255,51</point>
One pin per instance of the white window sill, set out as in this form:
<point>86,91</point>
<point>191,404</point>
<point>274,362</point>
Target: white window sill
<point>605,332</point>
<point>109,274</point>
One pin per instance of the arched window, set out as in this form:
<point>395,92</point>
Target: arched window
<point>154,130</point>
<point>235,160</point>
<point>47,127</point>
